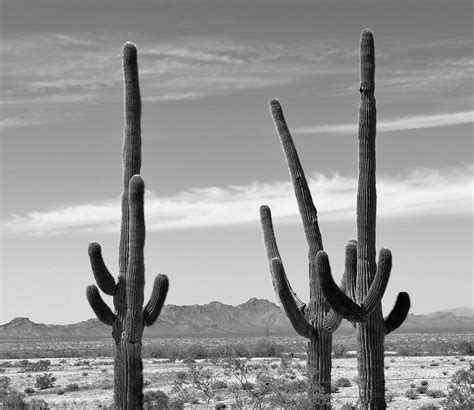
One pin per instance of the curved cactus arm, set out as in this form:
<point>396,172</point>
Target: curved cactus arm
<point>336,298</point>
<point>379,284</point>
<point>297,319</point>
<point>398,313</point>
<point>333,319</point>
<point>102,275</point>
<point>306,206</point>
<point>157,299</point>
<point>272,252</point>
<point>100,308</point>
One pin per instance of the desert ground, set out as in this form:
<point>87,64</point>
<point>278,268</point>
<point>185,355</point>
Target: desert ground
<point>88,383</point>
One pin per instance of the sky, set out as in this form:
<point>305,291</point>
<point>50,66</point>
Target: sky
<point>211,155</point>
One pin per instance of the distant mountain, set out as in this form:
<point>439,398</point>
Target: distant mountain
<point>459,312</point>
<point>256,317</point>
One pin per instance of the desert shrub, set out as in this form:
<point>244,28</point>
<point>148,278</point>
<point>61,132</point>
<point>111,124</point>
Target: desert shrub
<point>4,383</point>
<point>412,385</point>
<point>460,391</point>
<point>45,381</point>
<point>85,374</point>
<point>37,404</point>
<point>434,364</point>
<point>339,350</point>
<point>39,366</point>
<point>197,351</point>
<point>71,387</point>
<point>421,389</point>
<point>60,392</point>
<point>267,348</point>
<point>389,396</point>
<point>343,382</point>
<point>29,390</point>
<point>435,394</point>
<point>348,406</point>
<point>424,383</point>
<point>411,394</point>
<point>465,347</point>
<point>219,385</point>
<point>155,400</point>
<point>14,400</point>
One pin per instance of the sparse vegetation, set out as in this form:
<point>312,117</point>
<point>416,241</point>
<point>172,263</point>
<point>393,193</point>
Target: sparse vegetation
<point>45,381</point>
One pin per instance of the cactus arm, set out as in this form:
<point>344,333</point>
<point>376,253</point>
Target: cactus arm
<point>100,308</point>
<point>336,298</point>
<point>398,313</point>
<point>272,252</point>
<point>378,286</point>
<point>135,281</point>
<point>333,319</point>
<point>102,275</point>
<point>157,299</point>
<point>350,267</point>
<point>297,319</point>
<point>306,206</point>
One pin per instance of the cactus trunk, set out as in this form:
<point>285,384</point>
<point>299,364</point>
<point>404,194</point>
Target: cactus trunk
<point>319,368</point>
<point>363,304</point>
<point>130,317</point>
<point>314,321</point>
<point>370,361</point>
<point>128,376</point>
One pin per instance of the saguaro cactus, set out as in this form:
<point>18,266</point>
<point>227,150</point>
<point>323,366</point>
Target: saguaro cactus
<point>360,299</point>
<point>130,317</point>
<point>315,321</point>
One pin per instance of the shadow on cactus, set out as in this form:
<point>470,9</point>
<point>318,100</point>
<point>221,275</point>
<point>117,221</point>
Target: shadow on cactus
<point>129,316</point>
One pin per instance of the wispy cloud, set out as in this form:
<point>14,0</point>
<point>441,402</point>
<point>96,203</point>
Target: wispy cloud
<point>421,192</point>
<point>395,124</point>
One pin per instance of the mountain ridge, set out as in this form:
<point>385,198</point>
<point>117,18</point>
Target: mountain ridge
<point>254,317</point>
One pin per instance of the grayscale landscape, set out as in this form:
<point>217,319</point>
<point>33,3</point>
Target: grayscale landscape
<point>239,204</point>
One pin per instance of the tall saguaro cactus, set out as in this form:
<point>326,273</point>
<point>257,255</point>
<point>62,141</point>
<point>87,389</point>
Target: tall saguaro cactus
<point>314,321</point>
<point>130,317</point>
<point>366,288</point>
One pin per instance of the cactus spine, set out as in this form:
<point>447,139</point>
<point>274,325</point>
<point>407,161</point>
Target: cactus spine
<point>130,317</point>
<point>362,302</point>
<point>315,321</point>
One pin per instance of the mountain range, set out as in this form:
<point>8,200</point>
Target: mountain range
<point>256,317</point>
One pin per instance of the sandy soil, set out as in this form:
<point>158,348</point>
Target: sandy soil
<point>95,379</point>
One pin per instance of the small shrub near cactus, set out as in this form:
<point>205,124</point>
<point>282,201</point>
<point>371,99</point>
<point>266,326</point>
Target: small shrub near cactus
<point>435,394</point>
<point>38,404</point>
<point>46,381</point>
<point>460,390</point>
<point>424,383</point>
<point>4,383</point>
<point>29,390</point>
<point>422,389</point>
<point>155,400</point>
<point>411,394</point>
<point>342,382</point>
<point>14,400</point>
<point>72,387</point>
<point>389,396</point>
